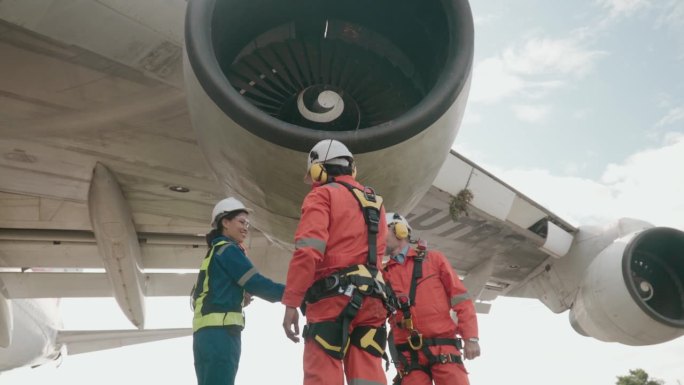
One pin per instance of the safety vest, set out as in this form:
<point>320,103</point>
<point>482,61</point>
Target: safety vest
<point>201,292</point>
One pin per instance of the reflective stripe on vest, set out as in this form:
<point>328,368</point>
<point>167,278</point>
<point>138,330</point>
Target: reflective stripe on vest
<point>213,319</point>
<point>217,319</point>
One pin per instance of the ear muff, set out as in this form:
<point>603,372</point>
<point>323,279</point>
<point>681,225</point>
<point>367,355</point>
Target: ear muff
<point>318,173</point>
<point>400,230</point>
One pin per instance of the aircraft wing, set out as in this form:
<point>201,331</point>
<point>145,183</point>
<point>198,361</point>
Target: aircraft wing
<point>121,128</point>
<point>496,237</point>
<point>85,341</point>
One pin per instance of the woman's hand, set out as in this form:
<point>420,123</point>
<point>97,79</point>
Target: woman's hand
<point>247,299</point>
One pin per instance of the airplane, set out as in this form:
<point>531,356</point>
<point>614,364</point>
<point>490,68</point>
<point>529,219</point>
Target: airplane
<point>37,335</point>
<point>123,122</point>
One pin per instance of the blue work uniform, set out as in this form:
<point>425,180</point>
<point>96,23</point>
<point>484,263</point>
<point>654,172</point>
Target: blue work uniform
<point>225,275</point>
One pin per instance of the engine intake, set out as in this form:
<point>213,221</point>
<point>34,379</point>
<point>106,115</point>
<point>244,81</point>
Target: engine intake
<point>633,292</point>
<point>653,270</point>
<point>373,73</point>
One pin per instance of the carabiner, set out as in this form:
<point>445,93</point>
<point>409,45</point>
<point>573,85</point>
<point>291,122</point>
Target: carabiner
<point>413,345</point>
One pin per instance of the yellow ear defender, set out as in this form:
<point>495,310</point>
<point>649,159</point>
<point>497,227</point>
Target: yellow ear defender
<point>400,230</point>
<point>318,173</point>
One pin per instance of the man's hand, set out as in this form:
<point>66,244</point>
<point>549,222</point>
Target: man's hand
<point>471,349</point>
<point>247,299</point>
<point>291,323</point>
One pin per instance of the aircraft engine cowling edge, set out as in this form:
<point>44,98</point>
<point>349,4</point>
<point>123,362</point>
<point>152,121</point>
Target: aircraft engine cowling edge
<point>267,79</point>
<point>6,322</point>
<point>633,291</point>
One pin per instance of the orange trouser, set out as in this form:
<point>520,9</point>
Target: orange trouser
<point>442,374</point>
<point>359,366</point>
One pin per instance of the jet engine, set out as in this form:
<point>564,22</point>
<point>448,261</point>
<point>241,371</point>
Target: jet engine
<point>633,291</point>
<point>267,79</point>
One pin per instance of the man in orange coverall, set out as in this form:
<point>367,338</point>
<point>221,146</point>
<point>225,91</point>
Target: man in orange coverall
<point>335,274</point>
<point>423,339</point>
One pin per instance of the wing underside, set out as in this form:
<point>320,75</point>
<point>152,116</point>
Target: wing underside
<point>71,105</point>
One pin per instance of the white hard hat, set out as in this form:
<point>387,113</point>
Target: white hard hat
<point>393,218</point>
<point>329,151</point>
<point>225,206</point>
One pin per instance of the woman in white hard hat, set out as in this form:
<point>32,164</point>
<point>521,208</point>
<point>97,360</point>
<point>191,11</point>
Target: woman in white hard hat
<point>218,302</point>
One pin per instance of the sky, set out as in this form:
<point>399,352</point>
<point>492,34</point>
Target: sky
<point>577,104</point>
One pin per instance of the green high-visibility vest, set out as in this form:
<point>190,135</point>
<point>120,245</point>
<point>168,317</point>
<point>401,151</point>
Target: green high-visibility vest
<point>211,319</point>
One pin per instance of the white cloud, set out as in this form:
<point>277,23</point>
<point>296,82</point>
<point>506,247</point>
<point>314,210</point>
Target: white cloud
<point>492,81</point>
<point>481,21</point>
<point>573,169</point>
<point>534,69</point>
<point>566,196</point>
<point>673,116</point>
<point>619,8</point>
<point>673,13</point>
<point>581,114</point>
<point>549,56</point>
<point>647,186</point>
<point>530,113</point>
<point>471,118</point>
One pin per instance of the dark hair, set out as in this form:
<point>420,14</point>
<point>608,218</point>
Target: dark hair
<point>337,170</point>
<point>218,231</point>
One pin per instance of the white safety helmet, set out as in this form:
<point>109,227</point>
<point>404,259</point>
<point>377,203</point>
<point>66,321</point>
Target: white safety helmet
<point>329,151</point>
<point>226,206</point>
<point>402,229</point>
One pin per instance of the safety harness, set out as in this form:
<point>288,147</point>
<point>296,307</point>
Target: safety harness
<point>416,342</point>
<point>204,317</point>
<point>356,282</point>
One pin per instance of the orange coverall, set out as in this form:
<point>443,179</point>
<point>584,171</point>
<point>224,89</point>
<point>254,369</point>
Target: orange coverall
<point>437,291</point>
<point>332,235</point>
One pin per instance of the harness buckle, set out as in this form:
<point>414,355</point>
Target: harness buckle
<point>349,290</point>
<point>369,194</point>
<point>415,345</point>
<point>332,281</point>
<point>444,358</point>
<point>373,218</point>
<point>406,323</point>
<point>422,245</point>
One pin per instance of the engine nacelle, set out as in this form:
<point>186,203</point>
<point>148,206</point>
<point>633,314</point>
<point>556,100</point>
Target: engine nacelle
<point>267,79</point>
<point>633,291</point>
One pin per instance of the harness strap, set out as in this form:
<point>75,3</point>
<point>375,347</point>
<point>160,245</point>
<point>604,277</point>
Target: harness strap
<point>404,303</point>
<point>397,357</point>
<point>370,206</point>
<point>350,311</point>
<point>433,342</point>
<point>364,278</point>
<point>413,364</point>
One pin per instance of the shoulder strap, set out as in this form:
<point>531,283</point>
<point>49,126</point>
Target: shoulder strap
<point>417,273</point>
<point>370,206</point>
